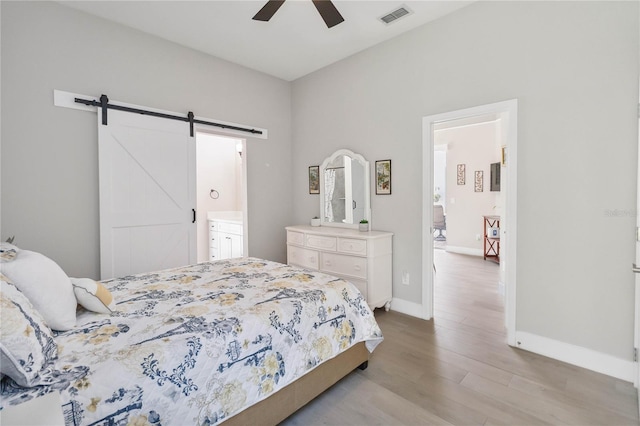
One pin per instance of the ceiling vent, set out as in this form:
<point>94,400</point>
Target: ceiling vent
<point>396,14</point>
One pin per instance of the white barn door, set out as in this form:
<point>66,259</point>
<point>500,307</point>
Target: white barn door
<point>147,194</point>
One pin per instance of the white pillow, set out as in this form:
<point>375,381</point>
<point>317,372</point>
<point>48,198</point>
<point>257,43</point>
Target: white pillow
<point>46,286</point>
<point>92,295</point>
<point>26,344</point>
<point>8,252</point>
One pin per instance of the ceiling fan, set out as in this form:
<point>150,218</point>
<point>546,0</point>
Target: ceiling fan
<point>326,9</point>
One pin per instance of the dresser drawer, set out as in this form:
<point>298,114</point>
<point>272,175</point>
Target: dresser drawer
<point>302,257</point>
<point>231,228</point>
<point>213,226</point>
<point>295,238</point>
<point>320,242</point>
<point>344,265</point>
<point>352,246</point>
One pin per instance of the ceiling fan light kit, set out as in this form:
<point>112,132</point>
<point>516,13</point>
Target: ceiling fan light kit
<point>326,8</point>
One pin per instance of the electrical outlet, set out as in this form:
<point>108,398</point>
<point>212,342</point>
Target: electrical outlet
<point>405,277</point>
<point>477,237</point>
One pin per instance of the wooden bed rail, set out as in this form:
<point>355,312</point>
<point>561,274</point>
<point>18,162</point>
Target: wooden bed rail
<point>294,396</point>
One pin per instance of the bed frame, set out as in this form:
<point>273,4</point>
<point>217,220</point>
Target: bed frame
<point>291,398</point>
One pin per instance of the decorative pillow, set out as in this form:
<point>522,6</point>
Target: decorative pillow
<point>26,343</point>
<point>46,286</point>
<point>92,295</point>
<point>8,252</point>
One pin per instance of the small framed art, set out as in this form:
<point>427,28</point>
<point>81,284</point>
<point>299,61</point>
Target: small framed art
<point>314,179</point>
<point>479,182</point>
<point>383,177</point>
<point>460,174</point>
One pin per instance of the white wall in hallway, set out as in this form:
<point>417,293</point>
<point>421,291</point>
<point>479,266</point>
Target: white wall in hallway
<point>476,146</point>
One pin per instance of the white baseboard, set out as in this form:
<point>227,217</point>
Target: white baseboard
<point>406,307</point>
<point>565,352</point>
<point>577,355</point>
<point>464,250</point>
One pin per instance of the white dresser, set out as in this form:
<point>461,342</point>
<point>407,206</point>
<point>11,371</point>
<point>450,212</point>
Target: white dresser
<point>363,258</point>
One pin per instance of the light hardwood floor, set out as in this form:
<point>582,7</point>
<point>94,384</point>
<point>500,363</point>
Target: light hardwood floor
<point>457,369</point>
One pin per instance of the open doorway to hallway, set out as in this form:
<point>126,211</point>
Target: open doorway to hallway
<point>472,193</point>
<point>466,151</point>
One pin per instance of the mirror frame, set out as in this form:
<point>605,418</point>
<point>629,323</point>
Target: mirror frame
<point>367,194</point>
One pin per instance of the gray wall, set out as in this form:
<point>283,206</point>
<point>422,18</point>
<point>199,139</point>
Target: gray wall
<point>574,69</point>
<point>49,154</point>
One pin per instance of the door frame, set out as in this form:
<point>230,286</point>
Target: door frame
<point>508,112</point>
<point>636,316</point>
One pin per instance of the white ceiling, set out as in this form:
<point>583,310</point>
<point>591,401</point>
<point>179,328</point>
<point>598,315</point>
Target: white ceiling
<point>293,43</point>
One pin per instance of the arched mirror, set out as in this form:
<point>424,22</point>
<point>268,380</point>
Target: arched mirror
<point>344,190</point>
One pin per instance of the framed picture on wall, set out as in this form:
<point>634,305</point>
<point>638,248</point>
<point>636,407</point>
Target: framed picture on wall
<point>460,174</point>
<point>479,182</point>
<point>383,177</point>
<point>314,179</point>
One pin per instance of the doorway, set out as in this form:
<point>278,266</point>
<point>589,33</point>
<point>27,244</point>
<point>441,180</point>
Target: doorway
<point>220,188</point>
<point>506,114</point>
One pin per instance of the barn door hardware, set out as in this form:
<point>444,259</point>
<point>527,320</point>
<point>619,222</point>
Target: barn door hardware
<point>104,105</point>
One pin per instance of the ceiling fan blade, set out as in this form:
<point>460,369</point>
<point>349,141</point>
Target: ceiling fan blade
<point>268,10</point>
<point>328,12</point>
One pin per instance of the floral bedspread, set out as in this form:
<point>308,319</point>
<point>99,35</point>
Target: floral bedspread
<point>197,344</point>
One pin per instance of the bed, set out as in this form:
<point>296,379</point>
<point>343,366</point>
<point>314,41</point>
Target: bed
<point>239,341</point>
